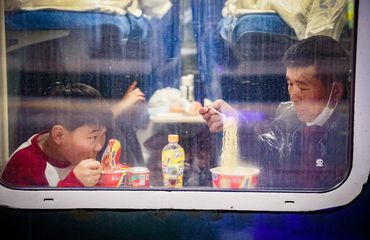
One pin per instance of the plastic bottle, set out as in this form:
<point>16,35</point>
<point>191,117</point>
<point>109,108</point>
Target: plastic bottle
<point>173,159</point>
<point>187,87</point>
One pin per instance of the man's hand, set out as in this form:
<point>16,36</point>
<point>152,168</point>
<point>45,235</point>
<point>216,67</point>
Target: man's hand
<point>88,171</point>
<point>213,119</point>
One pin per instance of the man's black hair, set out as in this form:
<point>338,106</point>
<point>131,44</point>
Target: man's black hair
<point>326,54</point>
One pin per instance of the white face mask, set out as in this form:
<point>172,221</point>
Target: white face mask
<point>325,114</point>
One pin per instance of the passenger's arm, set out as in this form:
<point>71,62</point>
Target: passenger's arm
<point>132,96</point>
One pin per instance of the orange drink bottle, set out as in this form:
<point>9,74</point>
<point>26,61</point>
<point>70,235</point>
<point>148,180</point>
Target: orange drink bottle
<point>173,159</point>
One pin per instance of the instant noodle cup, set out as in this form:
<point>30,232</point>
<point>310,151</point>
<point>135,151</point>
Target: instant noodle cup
<point>138,177</point>
<point>111,155</point>
<point>113,178</point>
<point>236,178</point>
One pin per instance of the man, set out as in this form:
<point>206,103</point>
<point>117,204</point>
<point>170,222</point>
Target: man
<point>307,145</point>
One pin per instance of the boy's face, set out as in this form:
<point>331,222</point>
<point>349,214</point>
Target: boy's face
<point>83,143</point>
<point>307,92</point>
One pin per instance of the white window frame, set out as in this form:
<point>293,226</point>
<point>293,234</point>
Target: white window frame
<point>214,200</point>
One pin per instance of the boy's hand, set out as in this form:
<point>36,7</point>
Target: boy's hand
<point>88,171</point>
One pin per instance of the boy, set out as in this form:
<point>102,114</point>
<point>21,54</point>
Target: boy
<point>65,155</point>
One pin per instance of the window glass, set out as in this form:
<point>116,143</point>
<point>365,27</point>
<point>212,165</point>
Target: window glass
<point>181,95</point>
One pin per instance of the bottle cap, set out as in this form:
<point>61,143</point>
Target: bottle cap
<point>173,138</point>
<point>187,80</point>
<point>191,77</point>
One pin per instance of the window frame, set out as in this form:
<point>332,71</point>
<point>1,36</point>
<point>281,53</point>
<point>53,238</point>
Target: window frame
<point>215,200</point>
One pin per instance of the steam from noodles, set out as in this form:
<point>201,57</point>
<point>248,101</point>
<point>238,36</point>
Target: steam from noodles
<point>230,151</point>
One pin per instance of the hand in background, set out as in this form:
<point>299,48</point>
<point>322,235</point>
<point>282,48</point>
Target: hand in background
<point>132,96</point>
<point>213,119</point>
<point>88,171</point>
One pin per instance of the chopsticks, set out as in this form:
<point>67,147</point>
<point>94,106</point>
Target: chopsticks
<point>219,113</point>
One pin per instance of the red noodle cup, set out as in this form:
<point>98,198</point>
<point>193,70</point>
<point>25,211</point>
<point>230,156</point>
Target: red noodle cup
<point>113,178</point>
<point>138,177</point>
<point>238,178</point>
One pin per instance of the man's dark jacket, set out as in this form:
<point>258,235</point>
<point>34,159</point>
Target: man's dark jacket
<point>294,156</point>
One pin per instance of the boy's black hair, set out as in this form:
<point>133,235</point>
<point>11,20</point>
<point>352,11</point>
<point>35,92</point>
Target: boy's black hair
<point>76,104</point>
<point>326,54</point>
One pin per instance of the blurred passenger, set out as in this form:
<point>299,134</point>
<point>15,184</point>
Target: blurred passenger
<point>307,144</point>
<point>129,116</point>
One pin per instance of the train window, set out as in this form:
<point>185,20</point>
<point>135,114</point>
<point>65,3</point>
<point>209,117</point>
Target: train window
<point>236,105</point>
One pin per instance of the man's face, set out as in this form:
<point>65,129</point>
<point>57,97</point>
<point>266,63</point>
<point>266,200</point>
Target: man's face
<point>307,93</point>
<point>83,143</point>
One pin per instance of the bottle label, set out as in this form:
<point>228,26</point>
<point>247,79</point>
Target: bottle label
<point>173,167</point>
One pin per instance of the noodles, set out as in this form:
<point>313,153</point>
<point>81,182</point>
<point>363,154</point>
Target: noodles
<point>230,151</point>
